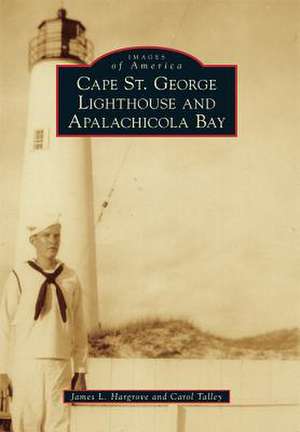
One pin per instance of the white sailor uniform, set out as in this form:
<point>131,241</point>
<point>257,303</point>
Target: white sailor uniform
<point>45,346</point>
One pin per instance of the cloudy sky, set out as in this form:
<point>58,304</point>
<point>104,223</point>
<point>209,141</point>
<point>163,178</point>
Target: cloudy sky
<point>205,229</point>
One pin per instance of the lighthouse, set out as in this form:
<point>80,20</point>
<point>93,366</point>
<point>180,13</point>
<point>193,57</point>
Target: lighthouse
<point>57,172</point>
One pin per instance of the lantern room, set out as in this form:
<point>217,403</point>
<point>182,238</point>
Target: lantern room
<point>60,37</point>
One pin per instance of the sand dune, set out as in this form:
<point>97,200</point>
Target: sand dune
<point>181,339</point>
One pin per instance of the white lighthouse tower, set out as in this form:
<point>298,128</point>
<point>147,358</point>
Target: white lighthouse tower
<point>57,172</point>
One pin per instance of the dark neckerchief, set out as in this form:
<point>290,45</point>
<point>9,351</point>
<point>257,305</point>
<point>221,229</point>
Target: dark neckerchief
<point>50,279</point>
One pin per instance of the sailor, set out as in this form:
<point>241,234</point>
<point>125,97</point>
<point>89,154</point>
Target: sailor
<point>41,315</point>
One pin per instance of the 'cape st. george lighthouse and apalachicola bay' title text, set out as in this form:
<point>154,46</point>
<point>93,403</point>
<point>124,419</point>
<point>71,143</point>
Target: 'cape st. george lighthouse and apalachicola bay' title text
<point>147,91</point>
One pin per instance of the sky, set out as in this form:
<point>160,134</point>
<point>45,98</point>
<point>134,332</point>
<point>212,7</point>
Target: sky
<point>204,229</point>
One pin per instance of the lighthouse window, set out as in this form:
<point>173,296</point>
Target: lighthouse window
<point>39,139</point>
<point>78,30</point>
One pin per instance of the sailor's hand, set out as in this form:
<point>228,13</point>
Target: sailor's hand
<point>81,383</point>
<point>5,384</point>
<point>78,382</point>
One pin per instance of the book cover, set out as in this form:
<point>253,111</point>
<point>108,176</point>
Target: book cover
<point>194,241</point>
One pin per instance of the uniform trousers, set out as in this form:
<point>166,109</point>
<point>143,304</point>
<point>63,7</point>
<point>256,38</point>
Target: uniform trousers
<point>37,404</point>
